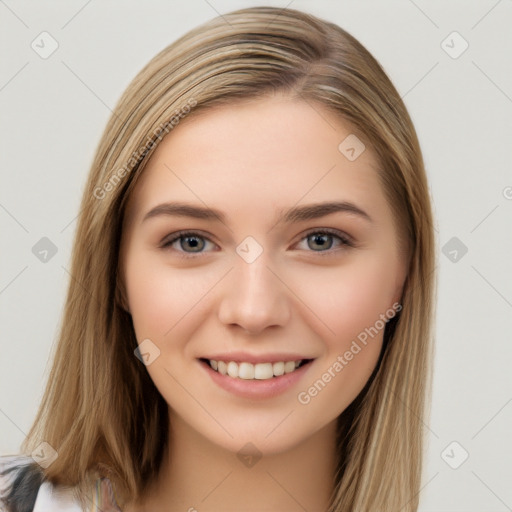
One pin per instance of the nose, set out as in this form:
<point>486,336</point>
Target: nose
<point>254,297</point>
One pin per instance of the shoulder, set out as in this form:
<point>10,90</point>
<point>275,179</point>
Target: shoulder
<point>23,489</point>
<point>55,499</point>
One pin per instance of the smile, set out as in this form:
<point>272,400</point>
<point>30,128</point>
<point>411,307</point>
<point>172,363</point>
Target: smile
<point>258,380</point>
<point>259,371</point>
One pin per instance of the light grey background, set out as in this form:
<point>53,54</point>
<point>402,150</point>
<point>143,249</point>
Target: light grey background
<point>53,112</point>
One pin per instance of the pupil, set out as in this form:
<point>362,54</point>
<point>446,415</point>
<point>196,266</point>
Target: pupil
<point>192,241</point>
<point>322,244</point>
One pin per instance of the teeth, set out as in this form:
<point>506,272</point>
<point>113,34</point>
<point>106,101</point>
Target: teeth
<point>249,371</point>
<point>278,369</point>
<point>289,366</point>
<point>222,367</point>
<point>232,369</point>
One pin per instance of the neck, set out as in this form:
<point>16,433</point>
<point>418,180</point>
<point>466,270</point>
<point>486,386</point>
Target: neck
<point>198,475</point>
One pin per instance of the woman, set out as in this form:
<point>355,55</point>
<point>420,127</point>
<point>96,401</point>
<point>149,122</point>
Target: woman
<point>249,321</point>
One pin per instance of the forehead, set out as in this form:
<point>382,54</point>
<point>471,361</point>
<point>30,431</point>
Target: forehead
<point>260,156</point>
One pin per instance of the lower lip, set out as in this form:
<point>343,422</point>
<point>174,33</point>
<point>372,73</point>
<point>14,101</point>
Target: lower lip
<point>267,388</point>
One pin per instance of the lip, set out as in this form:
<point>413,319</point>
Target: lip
<point>257,389</point>
<point>241,357</point>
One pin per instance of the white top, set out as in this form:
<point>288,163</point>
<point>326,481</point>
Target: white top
<point>52,498</point>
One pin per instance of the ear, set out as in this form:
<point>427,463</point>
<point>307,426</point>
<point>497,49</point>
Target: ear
<point>121,297</point>
<point>397,297</point>
<point>401,278</point>
<point>397,303</point>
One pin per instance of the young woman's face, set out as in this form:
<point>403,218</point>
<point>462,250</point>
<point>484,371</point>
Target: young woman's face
<point>261,282</point>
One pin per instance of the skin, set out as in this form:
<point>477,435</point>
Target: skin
<point>249,161</point>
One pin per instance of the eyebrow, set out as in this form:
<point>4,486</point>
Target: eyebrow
<point>295,214</point>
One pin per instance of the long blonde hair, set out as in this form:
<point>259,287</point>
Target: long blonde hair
<point>100,410</point>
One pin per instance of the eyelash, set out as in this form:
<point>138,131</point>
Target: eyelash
<point>346,242</point>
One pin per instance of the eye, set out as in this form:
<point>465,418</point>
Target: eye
<point>323,239</point>
<point>196,242</point>
<point>187,239</point>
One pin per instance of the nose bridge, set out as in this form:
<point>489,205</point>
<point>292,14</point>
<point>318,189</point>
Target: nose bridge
<point>254,296</point>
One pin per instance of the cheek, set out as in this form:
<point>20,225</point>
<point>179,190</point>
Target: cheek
<point>351,298</point>
<point>159,296</point>
<point>351,305</point>
<point>342,301</point>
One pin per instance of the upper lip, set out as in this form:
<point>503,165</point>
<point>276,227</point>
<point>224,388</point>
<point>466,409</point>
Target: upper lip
<point>240,357</point>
